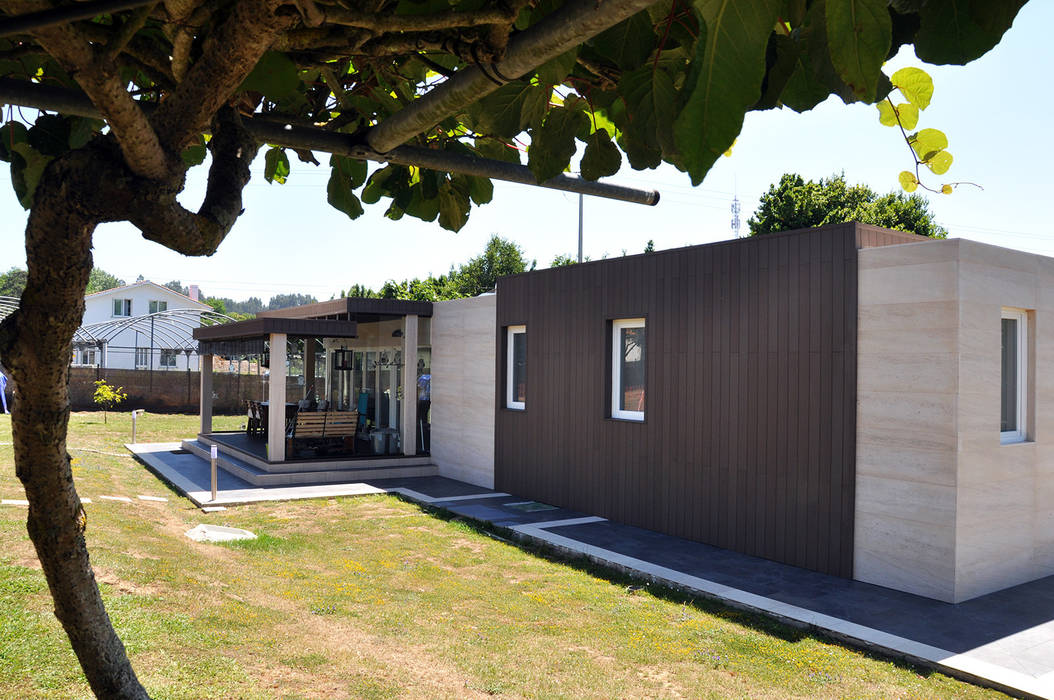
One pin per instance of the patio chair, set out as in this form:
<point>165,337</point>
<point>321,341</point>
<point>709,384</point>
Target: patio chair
<point>254,421</point>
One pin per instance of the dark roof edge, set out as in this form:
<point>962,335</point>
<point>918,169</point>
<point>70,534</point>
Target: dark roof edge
<point>352,306</point>
<point>254,327</point>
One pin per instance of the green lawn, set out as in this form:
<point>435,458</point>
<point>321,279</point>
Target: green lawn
<point>373,597</point>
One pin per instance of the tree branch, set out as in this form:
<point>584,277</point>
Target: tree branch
<point>390,24</point>
<point>139,144</point>
<point>230,53</point>
<point>163,220</point>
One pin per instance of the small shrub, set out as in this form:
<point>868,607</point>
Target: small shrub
<point>107,397</point>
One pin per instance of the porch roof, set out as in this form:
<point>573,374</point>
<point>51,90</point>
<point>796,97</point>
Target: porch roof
<point>353,309</point>
<point>262,327</point>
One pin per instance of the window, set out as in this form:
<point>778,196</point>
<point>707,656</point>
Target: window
<point>168,358</point>
<point>142,357</point>
<point>157,306</point>
<point>84,357</point>
<point>628,344</point>
<point>1014,370</point>
<point>516,368</point>
<point>122,307</point>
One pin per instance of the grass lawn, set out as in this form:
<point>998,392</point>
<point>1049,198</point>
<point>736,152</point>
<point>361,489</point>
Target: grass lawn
<point>373,597</point>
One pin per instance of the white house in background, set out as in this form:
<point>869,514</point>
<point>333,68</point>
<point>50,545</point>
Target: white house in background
<point>142,344</point>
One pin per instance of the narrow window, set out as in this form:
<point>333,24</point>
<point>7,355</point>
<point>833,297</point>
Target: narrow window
<point>142,357</point>
<point>157,306</point>
<point>628,346</point>
<point>168,358</point>
<point>516,368</point>
<point>122,307</point>
<point>1014,370</point>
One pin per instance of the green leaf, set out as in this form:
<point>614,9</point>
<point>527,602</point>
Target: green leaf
<point>276,165</point>
<point>194,155</point>
<point>651,107</point>
<point>498,150</point>
<point>480,189</point>
<point>11,134</point>
<point>50,135</point>
<point>510,109</point>
<point>928,142</point>
<point>887,116</point>
<point>353,170</point>
<point>376,186</point>
<point>556,71</point>
<point>27,167</point>
<point>275,75</point>
<point>82,129</point>
<point>339,192</point>
<point>915,84</point>
<point>859,33</point>
<point>940,162</point>
<point>553,144</point>
<point>814,77</point>
<point>453,205</point>
<point>601,157</point>
<point>958,31</point>
<point>629,43</point>
<point>908,181</point>
<point>730,67</point>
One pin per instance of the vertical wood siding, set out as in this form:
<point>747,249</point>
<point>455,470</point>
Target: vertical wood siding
<point>748,441</point>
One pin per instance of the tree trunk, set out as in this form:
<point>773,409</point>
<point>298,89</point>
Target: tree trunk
<point>58,251</point>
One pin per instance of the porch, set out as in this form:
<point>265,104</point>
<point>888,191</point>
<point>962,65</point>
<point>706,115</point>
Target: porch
<point>346,388</point>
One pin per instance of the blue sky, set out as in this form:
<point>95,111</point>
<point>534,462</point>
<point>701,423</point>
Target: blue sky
<point>995,111</point>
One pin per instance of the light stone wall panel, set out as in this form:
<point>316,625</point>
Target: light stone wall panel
<point>463,386</point>
<point>917,446</point>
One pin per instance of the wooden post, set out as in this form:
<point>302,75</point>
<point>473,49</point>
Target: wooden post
<point>276,399</point>
<point>409,424</point>
<point>205,400</point>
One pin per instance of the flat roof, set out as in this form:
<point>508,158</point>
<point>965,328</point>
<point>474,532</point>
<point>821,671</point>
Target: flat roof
<point>353,309</point>
<point>260,327</point>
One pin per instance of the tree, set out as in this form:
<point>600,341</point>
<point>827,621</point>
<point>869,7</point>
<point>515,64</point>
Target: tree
<point>129,98</point>
<point>107,397</point>
<point>100,280</point>
<point>12,282</point>
<point>793,203</point>
<point>480,274</point>
<point>177,286</point>
<point>284,301</point>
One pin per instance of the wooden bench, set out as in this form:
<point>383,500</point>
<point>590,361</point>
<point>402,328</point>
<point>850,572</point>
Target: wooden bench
<point>323,430</point>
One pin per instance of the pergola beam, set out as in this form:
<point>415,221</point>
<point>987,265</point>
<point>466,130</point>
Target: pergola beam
<point>576,22</point>
<point>67,101</point>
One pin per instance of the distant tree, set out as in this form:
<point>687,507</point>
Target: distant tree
<point>177,286</point>
<point>217,304</point>
<point>100,280</point>
<point>361,291</point>
<point>650,247</point>
<point>563,261</point>
<point>284,301</point>
<point>793,203</point>
<point>12,282</point>
<point>140,278</point>
<point>479,275</point>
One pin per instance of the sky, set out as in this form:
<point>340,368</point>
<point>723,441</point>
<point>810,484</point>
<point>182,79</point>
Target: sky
<point>995,111</point>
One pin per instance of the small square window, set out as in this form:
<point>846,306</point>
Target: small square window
<point>1013,394</point>
<point>158,306</point>
<point>516,368</point>
<point>122,307</point>
<point>168,358</point>
<point>628,347</point>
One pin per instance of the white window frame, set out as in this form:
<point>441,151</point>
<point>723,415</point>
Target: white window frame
<point>509,360</point>
<point>146,353</point>
<point>1021,433</point>
<point>616,366</point>
<point>126,306</point>
<point>155,305</point>
<point>166,354</point>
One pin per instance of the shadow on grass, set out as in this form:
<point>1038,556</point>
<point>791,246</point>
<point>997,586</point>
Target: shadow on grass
<point>635,584</point>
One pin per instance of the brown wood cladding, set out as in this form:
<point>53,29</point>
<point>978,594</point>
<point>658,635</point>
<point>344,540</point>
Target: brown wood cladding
<point>749,437</point>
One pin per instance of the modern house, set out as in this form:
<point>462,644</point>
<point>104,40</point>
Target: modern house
<point>853,400</point>
<point>139,326</point>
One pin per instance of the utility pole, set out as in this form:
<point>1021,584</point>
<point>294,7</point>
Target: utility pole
<point>580,227</point>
